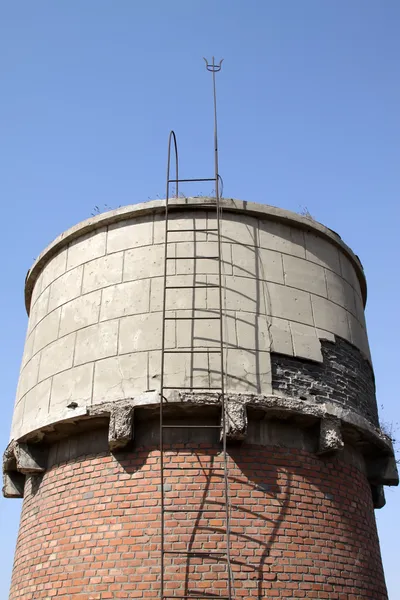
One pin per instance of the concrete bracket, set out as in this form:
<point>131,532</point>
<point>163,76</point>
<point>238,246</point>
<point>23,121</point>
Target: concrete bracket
<point>29,459</point>
<point>235,420</point>
<point>120,431</point>
<point>382,471</point>
<point>13,484</point>
<point>378,496</point>
<point>9,460</point>
<point>330,436</point>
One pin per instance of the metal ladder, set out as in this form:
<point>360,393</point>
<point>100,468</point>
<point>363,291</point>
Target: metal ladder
<point>165,353</point>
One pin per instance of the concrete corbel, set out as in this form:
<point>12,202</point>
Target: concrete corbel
<point>13,484</point>
<point>235,420</point>
<point>382,471</point>
<point>29,459</point>
<point>378,496</point>
<point>330,436</point>
<point>120,431</point>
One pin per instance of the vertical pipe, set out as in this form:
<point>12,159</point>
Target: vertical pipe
<point>223,403</point>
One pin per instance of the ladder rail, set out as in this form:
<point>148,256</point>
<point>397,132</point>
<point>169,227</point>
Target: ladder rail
<point>171,139</point>
<point>220,389</point>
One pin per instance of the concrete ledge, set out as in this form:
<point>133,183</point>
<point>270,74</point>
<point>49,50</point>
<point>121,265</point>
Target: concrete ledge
<point>338,428</point>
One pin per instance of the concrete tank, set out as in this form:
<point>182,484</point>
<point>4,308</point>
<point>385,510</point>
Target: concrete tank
<point>308,459</point>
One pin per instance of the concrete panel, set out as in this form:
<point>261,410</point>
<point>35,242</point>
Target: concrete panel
<point>238,229</point>
<point>360,314</point>
<point>358,336</point>
<point>47,330</point>
<point>177,222</point>
<point>28,348</point>
<point>306,343</point>
<point>54,268</point>
<point>28,376</point>
<point>181,369</point>
<point>285,302</point>
<point>240,294</point>
<point>36,406</point>
<point>79,313</point>
<point>331,317</point>
<point>348,273</point>
<point>120,377</point>
<point>102,272</point>
<point>37,289</point>
<point>281,336</point>
<point>74,385</point>
<point>340,291</point>
<point>57,356</point>
<point>252,332</point>
<point>257,262</point>
<point>65,288</point>
<point>322,252</point>
<point>95,342</point>
<point>17,420</point>
<point>143,332</point>
<point>198,249</point>
<point>325,335</point>
<point>198,334</point>
<point>130,234</point>
<point>39,310</point>
<point>304,275</point>
<point>246,371</point>
<point>144,262</point>
<point>178,298</point>
<point>87,248</point>
<point>130,298</point>
<point>281,238</point>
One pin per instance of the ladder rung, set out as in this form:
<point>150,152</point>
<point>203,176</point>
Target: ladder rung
<point>190,387</point>
<point>191,287</point>
<point>190,318</point>
<point>193,552</point>
<point>192,257</point>
<point>196,597</point>
<point>192,426</point>
<point>192,351</point>
<point>193,468</point>
<point>204,230</point>
<point>188,180</point>
<point>193,510</point>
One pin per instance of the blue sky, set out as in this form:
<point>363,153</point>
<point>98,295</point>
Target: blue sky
<point>309,102</point>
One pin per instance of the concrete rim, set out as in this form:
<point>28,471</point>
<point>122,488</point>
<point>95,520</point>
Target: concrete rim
<point>152,207</point>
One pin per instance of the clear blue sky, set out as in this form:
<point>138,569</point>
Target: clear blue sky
<point>309,101</point>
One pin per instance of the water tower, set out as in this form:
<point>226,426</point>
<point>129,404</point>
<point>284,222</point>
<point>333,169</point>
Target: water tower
<point>196,412</point>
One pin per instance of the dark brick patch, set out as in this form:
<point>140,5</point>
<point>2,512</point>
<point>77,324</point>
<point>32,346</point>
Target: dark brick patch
<point>345,377</point>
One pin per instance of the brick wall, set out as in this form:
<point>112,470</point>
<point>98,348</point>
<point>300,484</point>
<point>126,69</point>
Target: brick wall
<point>345,377</point>
<point>302,526</point>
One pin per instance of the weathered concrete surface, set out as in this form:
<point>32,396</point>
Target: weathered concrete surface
<point>95,302</point>
<point>330,437</point>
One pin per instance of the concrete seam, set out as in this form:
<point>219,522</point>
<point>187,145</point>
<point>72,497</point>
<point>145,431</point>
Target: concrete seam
<point>118,330</point>
<point>92,386</point>
<point>73,352</point>
<point>50,394</point>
